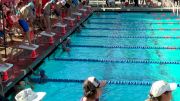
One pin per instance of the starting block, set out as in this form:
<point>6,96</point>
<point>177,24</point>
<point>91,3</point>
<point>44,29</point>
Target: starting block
<point>63,27</point>
<point>69,18</point>
<point>27,47</point>
<point>88,8</point>
<point>78,15</point>
<point>3,69</point>
<point>33,49</point>
<point>71,23</point>
<point>84,11</point>
<point>51,39</point>
<point>60,25</point>
<point>43,33</point>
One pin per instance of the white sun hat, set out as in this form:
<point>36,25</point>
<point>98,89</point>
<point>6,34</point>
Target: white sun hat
<point>94,81</point>
<point>29,95</point>
<point>160,87</point>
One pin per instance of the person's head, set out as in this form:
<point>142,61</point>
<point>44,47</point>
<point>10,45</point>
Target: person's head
<point>161,91</point>
<point>90,88</point>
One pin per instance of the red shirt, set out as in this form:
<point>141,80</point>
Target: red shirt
<point>44,2</point>
<point>9,21</point>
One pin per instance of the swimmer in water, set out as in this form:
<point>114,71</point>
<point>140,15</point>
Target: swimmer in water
<point>43,76</point>
<point>66,45</point>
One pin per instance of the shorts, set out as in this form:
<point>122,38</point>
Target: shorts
<point>56,12</point>
<point>1,34</point>
<point>24,25</point>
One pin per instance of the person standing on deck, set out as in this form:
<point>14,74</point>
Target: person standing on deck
<point>136,3</point>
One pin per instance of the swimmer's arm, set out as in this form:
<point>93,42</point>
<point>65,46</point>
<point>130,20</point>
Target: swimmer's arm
<point>103,83</point>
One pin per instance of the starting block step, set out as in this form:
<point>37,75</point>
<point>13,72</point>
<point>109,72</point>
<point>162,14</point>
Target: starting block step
<point>60,25</point>
<point>27,47</point>
<point>77,13</point>
<point>5,67</point>
<point>84,10</point>
<point>69,18</point>
<point>44,33</point>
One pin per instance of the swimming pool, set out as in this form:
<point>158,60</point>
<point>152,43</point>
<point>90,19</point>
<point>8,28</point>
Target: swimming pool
<point>112,37</point>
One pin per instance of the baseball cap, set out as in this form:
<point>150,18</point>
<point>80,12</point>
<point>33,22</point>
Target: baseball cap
<point>94,81</point>
<point>160,87</point>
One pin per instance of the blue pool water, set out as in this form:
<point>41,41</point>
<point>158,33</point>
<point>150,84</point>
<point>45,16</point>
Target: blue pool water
<point>116,29</point>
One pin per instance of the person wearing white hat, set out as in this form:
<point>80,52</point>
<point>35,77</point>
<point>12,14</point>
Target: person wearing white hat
<point>161,91</point>
<point>92,89</point>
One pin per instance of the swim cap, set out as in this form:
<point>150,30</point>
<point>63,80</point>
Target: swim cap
<point>94,81</point>
<point>42,72</point>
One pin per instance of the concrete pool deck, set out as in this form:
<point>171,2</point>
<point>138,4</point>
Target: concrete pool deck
<point>22,63</point>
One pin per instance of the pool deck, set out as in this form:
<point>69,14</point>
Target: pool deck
<point>22,61</point>
<point>133,9</point>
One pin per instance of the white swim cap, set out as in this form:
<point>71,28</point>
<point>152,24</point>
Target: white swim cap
<point>94,81</point>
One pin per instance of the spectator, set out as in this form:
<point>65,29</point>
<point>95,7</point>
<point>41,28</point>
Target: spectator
<point>161,91</point>
<point>136,3</point>
<point>25,13</point>
<point>92,89</point>
<point>110,3</point>
<point>47,14</point>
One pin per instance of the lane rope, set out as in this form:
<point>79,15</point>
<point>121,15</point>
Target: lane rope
<point>127,23</point>
<point>117,61</point>
<point>135,29</point>
<point>116,36</point>
<point>143,83</point>
<point>128,47</point>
